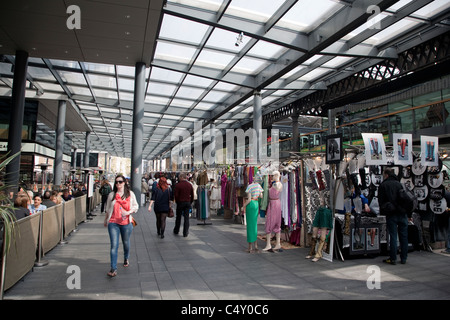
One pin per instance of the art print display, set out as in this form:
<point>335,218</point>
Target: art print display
<point>375,149</point>
<point>402,144</point>
<point>429,151</point>
<point>334,150</point>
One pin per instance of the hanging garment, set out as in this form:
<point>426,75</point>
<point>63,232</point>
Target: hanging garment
<point>273,213</point>
<point>223,188</point>
<point>265,199</point>
<point>284,198</point>
<point>292,199</point>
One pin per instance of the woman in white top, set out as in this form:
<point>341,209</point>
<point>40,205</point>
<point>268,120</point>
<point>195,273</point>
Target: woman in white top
<point>120,206</point>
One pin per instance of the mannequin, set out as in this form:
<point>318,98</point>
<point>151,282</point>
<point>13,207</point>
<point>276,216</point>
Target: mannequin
<point>251,211</point>
<point>273,218</point>
<point>323,221</point>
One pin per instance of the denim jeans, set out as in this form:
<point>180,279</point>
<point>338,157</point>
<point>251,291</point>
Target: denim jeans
<point>182,210</point>
<point>124,231</point>
<point>398,225</point>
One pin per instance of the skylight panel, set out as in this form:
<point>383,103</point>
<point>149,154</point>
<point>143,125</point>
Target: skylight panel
<point>306,15</point>
<point>391,32</point>
<point>99,67</point>
<point>166,75</point>
<point>161,89</point>
<point>189,93</point>
<point>197,81</point>
<point>225,40</point>
<point>102,81</point>
<point>213,59</point>
<point>250,66</point>
<point>260,10</point>
<point>126,84</point>
<point>267,50</point>
<point>174,52</point>
<point>107,94</point>
<point>432,9</point>
<point>181,29</point>
<point>212,5</point>
<point>72,77</point>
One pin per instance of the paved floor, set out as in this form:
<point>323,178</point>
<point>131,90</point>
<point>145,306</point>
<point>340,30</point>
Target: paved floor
<point>211,264</point>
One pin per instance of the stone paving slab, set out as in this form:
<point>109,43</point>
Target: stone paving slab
<point>211,264</point>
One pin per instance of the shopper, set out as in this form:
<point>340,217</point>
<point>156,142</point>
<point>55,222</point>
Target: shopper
<point>46,199</point>
<point>120,206</point>
<point>36,205</point>
<point>396,217</point>
<point>184,196</point>
<point>105,190</point>
<point>21,207</point>
<point>162,198</point>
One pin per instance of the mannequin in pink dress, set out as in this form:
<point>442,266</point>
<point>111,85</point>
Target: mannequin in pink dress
<point>273,213</point>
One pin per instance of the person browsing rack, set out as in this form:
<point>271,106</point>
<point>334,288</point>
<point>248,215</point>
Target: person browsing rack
<point>120,206</point>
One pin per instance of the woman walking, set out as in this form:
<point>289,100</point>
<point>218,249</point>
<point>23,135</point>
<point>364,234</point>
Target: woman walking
<point>120,206</point>
<point>162,198</point>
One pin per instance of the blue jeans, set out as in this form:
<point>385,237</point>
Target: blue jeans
<point>124,231</point>
<point>398,224</point>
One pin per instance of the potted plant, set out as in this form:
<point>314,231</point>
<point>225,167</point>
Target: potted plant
<point>7,219</point>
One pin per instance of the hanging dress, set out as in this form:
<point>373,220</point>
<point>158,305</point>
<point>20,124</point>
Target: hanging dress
<point>223,188</point>
<point>251,211</point>
<point>284,198</point>
<point>273,214</point>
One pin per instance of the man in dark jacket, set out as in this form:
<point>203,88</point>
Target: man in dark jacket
<point>184,196</point>
<point>396,217</point>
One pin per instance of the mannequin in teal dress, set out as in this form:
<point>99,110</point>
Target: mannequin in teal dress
<point>251,210</point>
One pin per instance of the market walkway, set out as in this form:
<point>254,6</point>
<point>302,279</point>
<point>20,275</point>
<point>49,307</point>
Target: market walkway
<point>211,264</point>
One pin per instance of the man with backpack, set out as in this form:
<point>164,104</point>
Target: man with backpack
<point>396,216</point>
<point>105,190</point>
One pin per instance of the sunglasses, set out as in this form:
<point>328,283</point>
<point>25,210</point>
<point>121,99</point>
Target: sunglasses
<point>120,181</point>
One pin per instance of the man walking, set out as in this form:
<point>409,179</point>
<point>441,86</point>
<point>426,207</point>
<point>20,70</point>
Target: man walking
<point>396,217</point>
<point>184,196</point>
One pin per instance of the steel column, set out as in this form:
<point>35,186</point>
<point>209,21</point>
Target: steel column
<point>60,128</point>
<point>16,119</point>
<point>138,129</point>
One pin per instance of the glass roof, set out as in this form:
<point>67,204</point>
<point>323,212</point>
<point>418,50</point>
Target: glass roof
<point>212,55</point>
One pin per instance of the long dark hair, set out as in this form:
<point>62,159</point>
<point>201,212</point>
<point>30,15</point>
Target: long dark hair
<point>126,187</point>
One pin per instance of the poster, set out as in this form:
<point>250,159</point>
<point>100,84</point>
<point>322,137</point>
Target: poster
<point>429,151</point>
<point>375,149</point>
<point>403,149</point>
<point>334,150</point>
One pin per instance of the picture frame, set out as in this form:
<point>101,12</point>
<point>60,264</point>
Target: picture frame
<point>403,148</point>
<point>334,149</point>
<point>375,148</point>
<point>429,147</point>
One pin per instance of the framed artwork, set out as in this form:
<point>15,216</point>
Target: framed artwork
<point>375,149</point>
<point>334,150</point>
<point>402,149</point>
<point>429,151</point>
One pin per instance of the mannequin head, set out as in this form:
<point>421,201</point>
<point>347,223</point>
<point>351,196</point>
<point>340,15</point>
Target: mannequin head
<point>276,176</point>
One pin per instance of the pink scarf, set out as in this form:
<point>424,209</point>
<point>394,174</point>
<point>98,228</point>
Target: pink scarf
<point>125,204</point>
